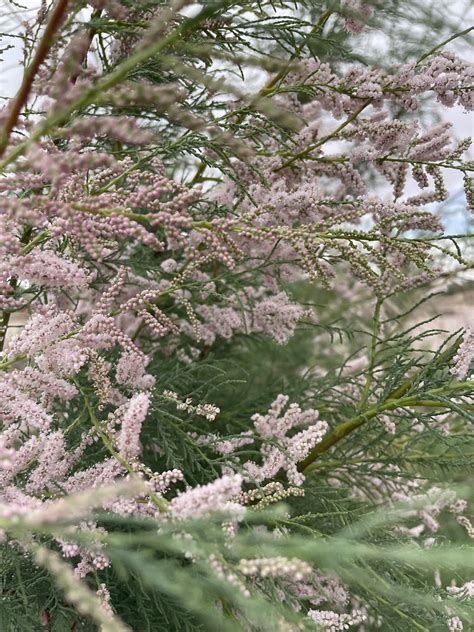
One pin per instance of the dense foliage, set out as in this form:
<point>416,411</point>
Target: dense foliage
<point>222,403</point>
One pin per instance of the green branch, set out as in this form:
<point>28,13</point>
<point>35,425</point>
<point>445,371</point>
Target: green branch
<point>396,399</point>
<point>114,78</point>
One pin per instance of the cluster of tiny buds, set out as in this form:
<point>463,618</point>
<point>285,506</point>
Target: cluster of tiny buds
<point>335,622</point>
<point>222,571</point>
<point>195,324</point>
<point>290,568</point>
<point>77,593</point>
<point>209,411</point>
<point>388,423</point>
<point>467,524</point>
<point>464,356</point>
<point>469,191</point>
<point>164,480</point>
<point>99,370</point>
<point>262,497</point>
<point>159,324</point>
<point>104,595</point>
<point>455,624</point>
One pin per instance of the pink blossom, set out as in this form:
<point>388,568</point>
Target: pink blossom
<point>204,499</point>
<point>132,415</point>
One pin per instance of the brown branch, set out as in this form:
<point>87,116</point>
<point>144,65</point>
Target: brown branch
<point>23,93</point>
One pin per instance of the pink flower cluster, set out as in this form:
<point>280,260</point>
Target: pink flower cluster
<point>114,268</point>
<point>278,449</point>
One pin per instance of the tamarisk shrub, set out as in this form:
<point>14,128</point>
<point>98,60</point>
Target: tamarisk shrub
<point>216,411</point>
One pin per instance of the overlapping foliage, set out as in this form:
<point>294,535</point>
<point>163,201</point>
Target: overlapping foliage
<point>219,407</point>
